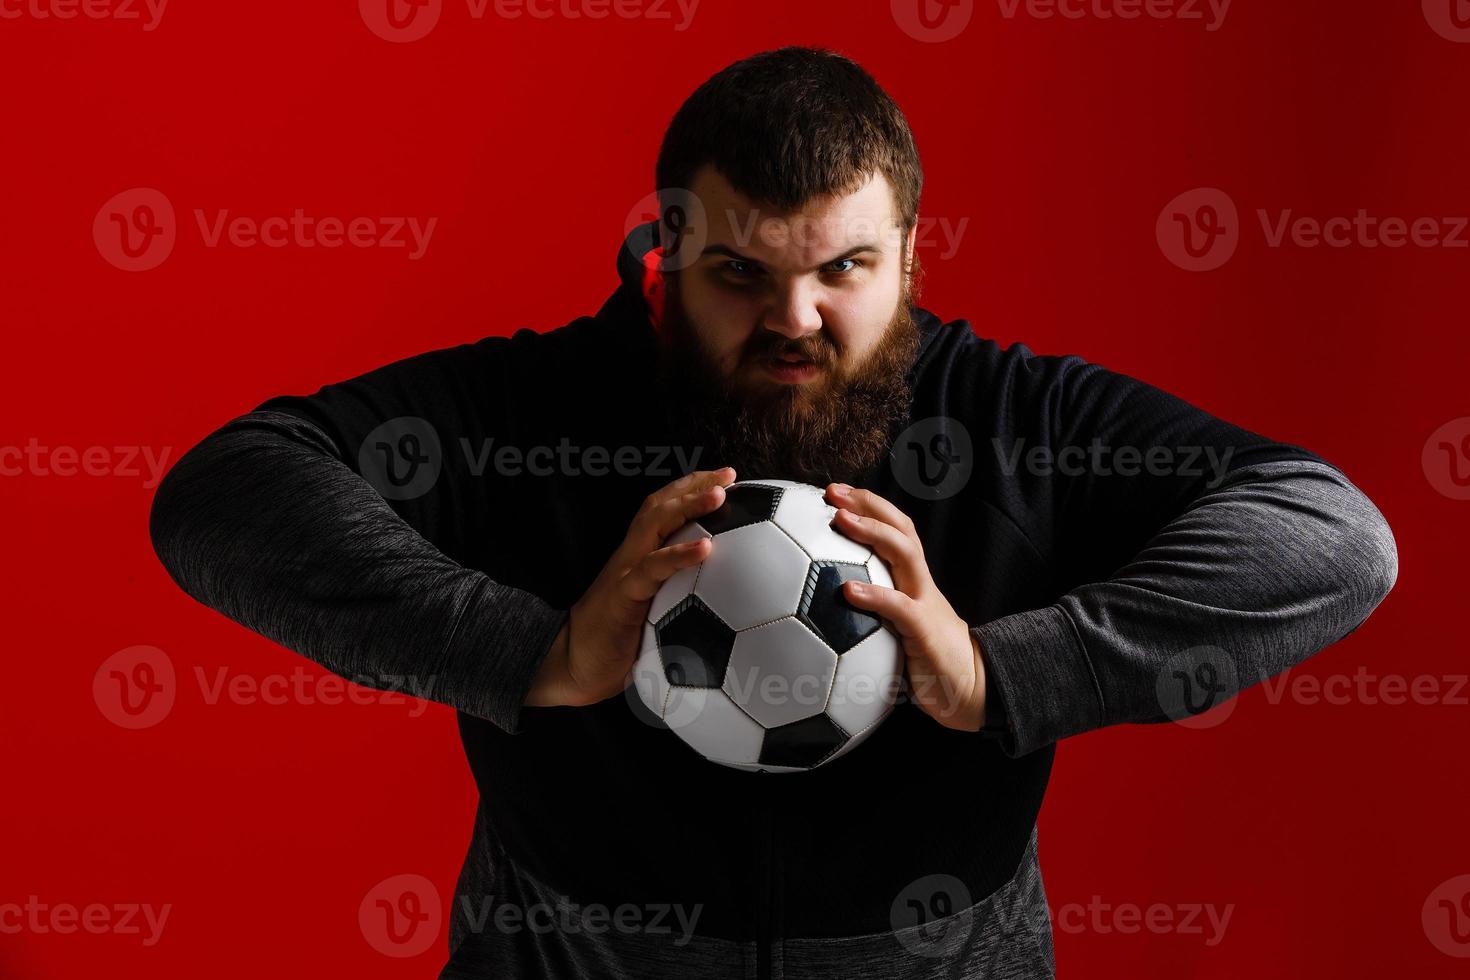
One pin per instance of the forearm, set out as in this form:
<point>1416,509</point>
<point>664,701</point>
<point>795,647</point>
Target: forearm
<point>1279,561</point>
<point>264,523</point>
<point>552,686</point>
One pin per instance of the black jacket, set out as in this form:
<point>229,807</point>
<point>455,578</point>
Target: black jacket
<point>370,528</point>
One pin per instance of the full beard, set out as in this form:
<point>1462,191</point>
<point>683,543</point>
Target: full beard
<point>837,428</point>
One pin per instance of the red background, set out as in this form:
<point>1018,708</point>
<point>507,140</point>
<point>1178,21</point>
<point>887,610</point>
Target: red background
<point>1326,826</point>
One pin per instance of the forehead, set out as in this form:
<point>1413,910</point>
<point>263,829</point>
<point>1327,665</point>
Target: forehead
<point>823,227</point>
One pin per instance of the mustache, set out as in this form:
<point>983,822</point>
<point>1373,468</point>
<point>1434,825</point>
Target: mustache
<point>815,348</point>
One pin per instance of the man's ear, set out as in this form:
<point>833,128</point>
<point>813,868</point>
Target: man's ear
<point>908,246</point>
<point>655,291</point>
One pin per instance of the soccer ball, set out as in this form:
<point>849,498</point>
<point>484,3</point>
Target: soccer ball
<point>754,657</point>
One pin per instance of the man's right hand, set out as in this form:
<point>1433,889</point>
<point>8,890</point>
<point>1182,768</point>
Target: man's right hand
<point>592,657</point>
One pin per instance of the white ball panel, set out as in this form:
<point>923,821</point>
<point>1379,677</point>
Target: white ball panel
<point>683,705</point>
<point>781,672</point>
<point>712,724</point>
<point>867,681</point>
<point>681,583</point>
<point>753,574</point>
<point>803,514</point>
<point>783,484</point>
<point>878,572</point>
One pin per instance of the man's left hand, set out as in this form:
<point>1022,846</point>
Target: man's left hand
<point>946,672</point>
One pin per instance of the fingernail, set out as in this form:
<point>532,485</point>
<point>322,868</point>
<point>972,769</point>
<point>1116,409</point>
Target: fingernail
<point>841,489</point>
<point>857,588</point>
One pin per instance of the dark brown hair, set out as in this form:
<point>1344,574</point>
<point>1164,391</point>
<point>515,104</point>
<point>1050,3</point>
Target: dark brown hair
<point>790,125</point>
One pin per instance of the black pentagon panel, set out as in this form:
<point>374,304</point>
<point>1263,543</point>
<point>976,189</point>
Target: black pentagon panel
<point>802,744</point>
<point>742,506</point>
<point>826,610</point>
<point>694,644</point>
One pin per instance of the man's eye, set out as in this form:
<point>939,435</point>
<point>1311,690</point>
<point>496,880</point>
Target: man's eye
<point>739,269</point>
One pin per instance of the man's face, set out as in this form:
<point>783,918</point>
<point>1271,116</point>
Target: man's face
<point>788,337</point>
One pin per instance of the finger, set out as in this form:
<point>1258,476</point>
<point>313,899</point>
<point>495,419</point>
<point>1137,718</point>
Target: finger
<point>869,504</point>
<point>673,514</point>
<point>651,527</point>
<point>645,577</point>
<point>903,612</point>
<point>689,483</point>
<point>902,552</point>
<point>662,514</point>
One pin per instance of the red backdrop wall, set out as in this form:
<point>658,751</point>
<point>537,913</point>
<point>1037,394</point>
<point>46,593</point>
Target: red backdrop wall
<point>1330,827</point>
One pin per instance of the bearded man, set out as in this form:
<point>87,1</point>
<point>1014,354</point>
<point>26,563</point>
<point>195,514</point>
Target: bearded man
<point>491,520</point>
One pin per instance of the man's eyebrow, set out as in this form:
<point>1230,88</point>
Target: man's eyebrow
<point>728,252</point>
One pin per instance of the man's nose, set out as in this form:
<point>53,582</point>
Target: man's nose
<point>794,313</point>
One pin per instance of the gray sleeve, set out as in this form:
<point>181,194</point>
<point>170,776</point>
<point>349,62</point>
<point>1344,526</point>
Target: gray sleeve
<point>269,522</point>
<point>1278,561</point>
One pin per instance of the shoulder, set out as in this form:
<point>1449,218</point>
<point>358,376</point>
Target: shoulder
<point>978,369</point>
